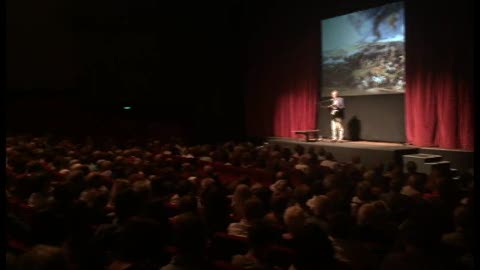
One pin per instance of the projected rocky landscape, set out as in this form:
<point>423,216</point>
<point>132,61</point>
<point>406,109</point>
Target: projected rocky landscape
<point>366,69</point>
<point>363,52</point>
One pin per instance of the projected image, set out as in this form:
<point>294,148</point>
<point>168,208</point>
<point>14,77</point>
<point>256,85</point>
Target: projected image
<point>363,52</point>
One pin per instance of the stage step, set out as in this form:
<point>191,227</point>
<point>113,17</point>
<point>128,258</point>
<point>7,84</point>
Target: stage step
<point>425,162</point>
<point>441,164</point>
<point>422,157</point>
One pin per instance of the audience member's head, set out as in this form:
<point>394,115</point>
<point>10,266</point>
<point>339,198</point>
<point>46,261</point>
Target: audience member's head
<point>281,188</point>
<point>372,213</point>
<point>417,182</point>
<point>340,225</point>
<point>301,195</point>
<point>139,239</point>
<point>242,192</point>
<point>396,184</point>
<point>329,156</point>
<point>40,182</point>
<point>280,175</point>
<point>94,180</point>
<point>330,181</point>
<point>260,235</point>
<point>188,203</point>
<point>263,193</point>
<point>43,257</point>
<point>411,167</point>
<point>321,152</point>
<point>278,206</point>
<point>317,188</point>
<point>461,217</point>
<point>356,159</point>
<point>369,175</point>
<point>105,165</point>
<point>417,236</point>
<point>63,195</point>
<point>319,205</point>
<point>64,172</point>
<point>10,261</point>
<point>313,248</point>
<point>300,150</point>
<point>304,159</point>
<point>76,176</point>
<point>254,210</point>
<point>294,218</point>
<point>363,191</point>
<point>185,187</point>
<point>190,235</point>
<point>143,187</point>
<point>208,169</point>
<point>205,183</point>
<point>127,204</point>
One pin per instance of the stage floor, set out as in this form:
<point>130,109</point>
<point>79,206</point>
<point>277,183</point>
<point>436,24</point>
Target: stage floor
<point>372,153</point>
<point>345,143</point>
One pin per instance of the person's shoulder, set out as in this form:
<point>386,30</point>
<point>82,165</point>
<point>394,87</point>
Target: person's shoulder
<point>242,261</point>
<point>171,267</point>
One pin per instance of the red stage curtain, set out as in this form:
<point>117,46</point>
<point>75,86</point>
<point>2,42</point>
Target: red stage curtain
<point>283,87</point>
<point>439,64</point>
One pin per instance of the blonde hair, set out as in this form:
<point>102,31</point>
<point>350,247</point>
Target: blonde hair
<point>318,204</point>
<point>294,217</point>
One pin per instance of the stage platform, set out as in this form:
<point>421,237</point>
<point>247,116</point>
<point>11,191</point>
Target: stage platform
<point>373,152</point>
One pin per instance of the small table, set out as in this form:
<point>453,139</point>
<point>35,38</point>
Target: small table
<point>310,135</point>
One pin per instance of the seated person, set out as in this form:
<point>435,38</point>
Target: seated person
<point>294,219</point>
<point>253,211</point>
<point>260,237</point>
<point>313,249</point>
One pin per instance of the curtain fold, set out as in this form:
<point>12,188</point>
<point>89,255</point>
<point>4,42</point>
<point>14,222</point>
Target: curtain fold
<point>283,88</point>
<point>439,98</point>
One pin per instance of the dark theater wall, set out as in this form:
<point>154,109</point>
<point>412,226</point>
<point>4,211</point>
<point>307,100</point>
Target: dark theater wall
<point>73,64</point>
<point>42,51</point>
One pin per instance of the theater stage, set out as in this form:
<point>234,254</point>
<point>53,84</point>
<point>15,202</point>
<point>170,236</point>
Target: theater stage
<point>374,152</point>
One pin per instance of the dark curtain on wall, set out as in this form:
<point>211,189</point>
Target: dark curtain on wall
<point>282,86</point>
<point>439,99</point>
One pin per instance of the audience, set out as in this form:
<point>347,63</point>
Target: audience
<point>147,205</point>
